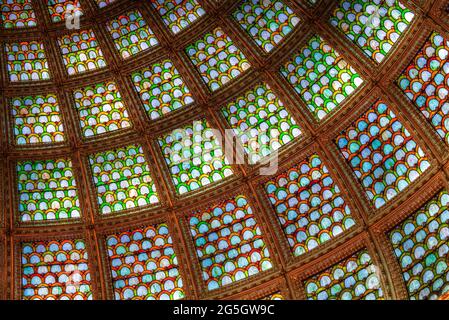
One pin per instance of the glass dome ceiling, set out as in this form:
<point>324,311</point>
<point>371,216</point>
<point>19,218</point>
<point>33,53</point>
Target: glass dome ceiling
<point>205,149</point>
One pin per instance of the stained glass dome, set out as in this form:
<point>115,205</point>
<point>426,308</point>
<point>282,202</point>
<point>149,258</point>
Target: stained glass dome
<point>234,149</point>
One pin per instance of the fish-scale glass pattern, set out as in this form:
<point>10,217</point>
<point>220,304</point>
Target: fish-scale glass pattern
<point>26,61</point>
<point>267,22</point>
<point>81,52</point>
<point>420,244</point>
<point>178,14</point>
<point>100,109</point>
<point>55,270</point>
<point>17,14</point>
<point>261,122</point>
<point>37,119</point>
<point>321,76</point>
<point>60,10</point>
<point>382,153</point>
<point>373,25</point>
<point>122,179</point>
<point>161,89</point>
<point>144,265</point>
<point>228,242</point>
<point>131,34</point>
<point>355,278</point>
<point>426,83</point>
<point>47,190</point>
<point>309,205</point>
<point>194,156</point>
<point>217,59</point>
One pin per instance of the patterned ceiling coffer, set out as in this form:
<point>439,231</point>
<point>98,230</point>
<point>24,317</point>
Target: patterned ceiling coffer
<point>144,265</point>
<point>425,83</point>
<point>309,205</point>
<point>194,157</point>
<point>382,154</point>
<point>122,179</point>
<point>420,244</point>
<point>217,59</point>
<point>355,278</point>
<point>228,243</point>
<point>55,270</point>
<point>375,26</point>
<point>321,77</point>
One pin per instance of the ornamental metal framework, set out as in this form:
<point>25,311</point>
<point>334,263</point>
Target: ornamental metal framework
<point>354,94</point>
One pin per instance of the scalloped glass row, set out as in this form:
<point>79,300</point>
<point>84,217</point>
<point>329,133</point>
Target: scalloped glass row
<point>230,247</point>
<point>143,263</point>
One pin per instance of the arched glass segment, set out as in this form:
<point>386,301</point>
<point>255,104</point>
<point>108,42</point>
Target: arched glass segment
<point>55,270</point>
<point>421,246</point>
<point>122,179</point>
<point>144,265</point>
<point>161,89</point>
<point>382,153</point>
<point>228,242</point>
<point>178,14</point>
<point>37,119</point>
<point>80,52</point>
<point>261,122</point>
<point>26,61</point>
<point>47,190</point>
<point>354,278</point>
<point>217,59</point>
<point>104,3</point>
<point>17,14</point>
<point>61,10</point>
<point>425,83</point>
<point>375,26</point>
<point>131,34</point>
<point>101,109</point>
<point>194,156</point>
<point>309,205</point>
<point>267,22</point>
<point>321,77</point>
